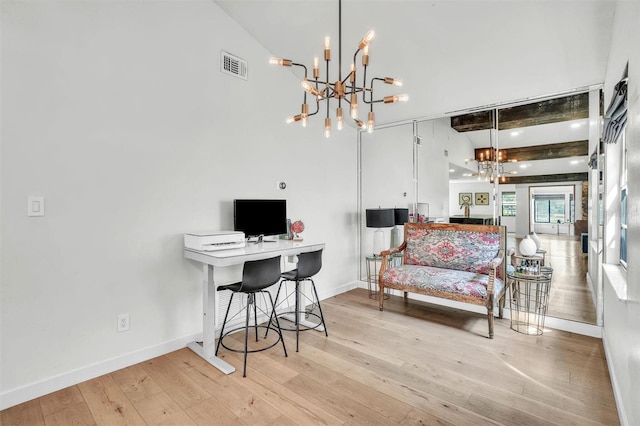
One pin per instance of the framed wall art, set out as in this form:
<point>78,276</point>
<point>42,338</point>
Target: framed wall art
<point>482,198</point>
<point>464,199</point>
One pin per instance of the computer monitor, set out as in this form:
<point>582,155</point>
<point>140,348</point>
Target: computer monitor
<point>258,218</point>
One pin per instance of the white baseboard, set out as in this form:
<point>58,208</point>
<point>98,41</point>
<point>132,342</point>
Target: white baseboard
<point>622,414</point>
<point>35,390</point>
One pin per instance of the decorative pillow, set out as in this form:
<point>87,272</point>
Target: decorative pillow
<point>460,250</point>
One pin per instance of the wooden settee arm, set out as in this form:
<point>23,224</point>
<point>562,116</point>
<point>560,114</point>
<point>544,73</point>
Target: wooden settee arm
<point>384,263</point>
<point>493,266</point>
<point>497,261</point>
<point>398,249</point>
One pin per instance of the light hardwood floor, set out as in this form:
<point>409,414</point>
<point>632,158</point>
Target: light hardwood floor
<point>414,363</point>
<point>570,297</point>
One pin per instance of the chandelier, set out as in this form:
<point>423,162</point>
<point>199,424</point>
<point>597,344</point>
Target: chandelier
<point>490,163</point>
<point>347,89</point>
<point>491,160</point>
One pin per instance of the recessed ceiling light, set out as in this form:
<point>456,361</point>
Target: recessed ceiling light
<point>575,125</point>
<point>515,133</point>
<point>575,161</point>
<point>523,166</point>
<point>452,170</point>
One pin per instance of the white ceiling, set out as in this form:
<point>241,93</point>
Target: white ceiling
<point>452,55</point>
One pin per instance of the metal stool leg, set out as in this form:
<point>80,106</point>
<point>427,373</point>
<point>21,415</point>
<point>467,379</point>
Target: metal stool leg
<point>273,307</point>
<point>273,311</point>
<point>255,316</point>
<point>313,286</point>
<point>297,314</point>
<point>250,300</point>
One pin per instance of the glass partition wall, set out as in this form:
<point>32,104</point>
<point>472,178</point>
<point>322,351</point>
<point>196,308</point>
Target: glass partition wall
<point>409,164</point>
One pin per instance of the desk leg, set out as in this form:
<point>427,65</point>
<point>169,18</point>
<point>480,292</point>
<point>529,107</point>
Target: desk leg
<point>207,350</point>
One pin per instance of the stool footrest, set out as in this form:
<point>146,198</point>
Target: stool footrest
<point>241,350</point>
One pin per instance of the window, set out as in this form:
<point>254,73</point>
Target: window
<point>623,201</point>
<point>508,204</point>
<point>549,208</point>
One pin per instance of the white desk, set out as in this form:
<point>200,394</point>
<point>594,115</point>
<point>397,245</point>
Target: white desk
<point>222,258</point>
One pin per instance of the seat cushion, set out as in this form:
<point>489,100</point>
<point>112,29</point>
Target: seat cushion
<point>463,283</point>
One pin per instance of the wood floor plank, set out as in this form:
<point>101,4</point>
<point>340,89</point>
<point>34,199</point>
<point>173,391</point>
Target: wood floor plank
<point>161,409</point>
<point>136,383</point>
<point>175,382</point>
<point>248,406</point>
<point>60,400</point>
<point>25,414</point>
<point>75,414</point>
<point>211,412</point>
<point>108,403</point>
<point>295,407</point>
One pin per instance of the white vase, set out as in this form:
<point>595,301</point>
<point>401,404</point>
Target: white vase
<point>527,246</point>
<point>535,239</point>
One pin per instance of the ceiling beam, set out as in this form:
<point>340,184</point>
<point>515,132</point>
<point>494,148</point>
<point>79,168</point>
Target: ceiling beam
<point>549,151</point>
<point>563,177</point>
<point>573,107</point>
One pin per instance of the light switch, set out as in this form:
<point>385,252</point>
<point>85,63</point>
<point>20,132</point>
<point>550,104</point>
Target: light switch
<point>35,206</point>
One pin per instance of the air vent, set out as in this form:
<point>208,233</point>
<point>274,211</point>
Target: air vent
<point>233,65</point>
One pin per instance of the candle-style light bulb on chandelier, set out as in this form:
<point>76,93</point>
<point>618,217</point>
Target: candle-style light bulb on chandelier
<point>346,89</point>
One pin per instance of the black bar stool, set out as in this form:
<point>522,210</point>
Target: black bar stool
<point>309,264</point>
<point>257,275</point>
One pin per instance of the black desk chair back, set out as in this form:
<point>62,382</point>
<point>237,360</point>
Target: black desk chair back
<point>257,276</point>
<point>309,264</point>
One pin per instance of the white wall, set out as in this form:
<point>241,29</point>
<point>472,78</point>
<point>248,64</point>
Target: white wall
<point>621,317</point>
<point>117,113</point>
<point>473,187</point>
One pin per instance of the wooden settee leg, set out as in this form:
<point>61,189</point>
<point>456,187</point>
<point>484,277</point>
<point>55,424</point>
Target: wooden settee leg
<point>380,296</point>
<point>490,317</point>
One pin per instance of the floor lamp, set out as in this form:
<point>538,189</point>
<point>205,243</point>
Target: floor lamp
<point>379,218</point>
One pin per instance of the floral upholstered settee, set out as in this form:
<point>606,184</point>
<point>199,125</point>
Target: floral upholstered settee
<point>453,261</point>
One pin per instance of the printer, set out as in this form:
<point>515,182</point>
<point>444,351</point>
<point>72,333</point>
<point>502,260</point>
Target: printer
<point>214,240</point>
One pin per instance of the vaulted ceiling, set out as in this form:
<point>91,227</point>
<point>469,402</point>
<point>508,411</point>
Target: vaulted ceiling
<point>452,55</point>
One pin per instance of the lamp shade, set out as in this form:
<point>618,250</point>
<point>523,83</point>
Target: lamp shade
<point>380,218</point>
<point>401,216</point>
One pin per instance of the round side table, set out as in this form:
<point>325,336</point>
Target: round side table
<point>529,297</point>
<point>373,269</point>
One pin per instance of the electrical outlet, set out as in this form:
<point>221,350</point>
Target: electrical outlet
<point>123,322</point>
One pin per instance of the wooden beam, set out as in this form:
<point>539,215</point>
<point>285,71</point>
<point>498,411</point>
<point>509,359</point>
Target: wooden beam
<point>549,151</point>
<point>571,107</point>
<point>563,177</point>
<point>473,121</point>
